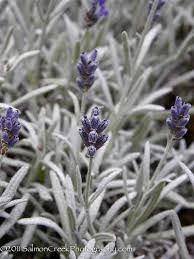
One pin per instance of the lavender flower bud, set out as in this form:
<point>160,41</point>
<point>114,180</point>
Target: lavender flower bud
<point>185,109</point>
<point>5,137</point>
<point>9,130</point>
<point>86,69</point>
<point>170,124</point>
<point>90,130</point>
<point>94,55</point>
<point>183,122</point>
<point>92,136</point>
<point>102,126</point>
<point>13,141</point>
<point>180,133</point>
<point>174,113</point>
<point>95,120</point>
<point>8,124</point>
<point>91,151</point>
<point>178,102</point>
<point>84,137</point>
<point>84,59</point>
<point>101,141</point>
<point>95,111</point>
<point>86,123</point>
<point>179,118</point>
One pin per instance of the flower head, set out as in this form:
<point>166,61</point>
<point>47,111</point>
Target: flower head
<point>92,131</point>
<point>9,130</point>
<point>86,69</point>
<point>97,9</point>
<point>158,9</point>
<point>179,118</point>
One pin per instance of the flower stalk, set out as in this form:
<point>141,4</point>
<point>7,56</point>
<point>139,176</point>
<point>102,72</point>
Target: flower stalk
<point>87,195</point>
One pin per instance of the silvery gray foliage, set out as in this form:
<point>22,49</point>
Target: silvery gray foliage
<point>138,184</point>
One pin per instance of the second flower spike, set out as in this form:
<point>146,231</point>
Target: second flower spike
<point>179,118</point>
<point>86,70</point>
<point>92,131</point>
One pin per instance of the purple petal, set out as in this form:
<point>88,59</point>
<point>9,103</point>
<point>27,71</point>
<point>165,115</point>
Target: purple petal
<point>92,68</point>
<point>5,136</point>
<point>103,11</point>
<point>101,2</point>
<point>13,141</point>
<point>16,114</point>
<point>84,137</point>
<point>101,141</point>
<point>91,151</point>
<point>183,122</point>
<point>84,58</point>
<point>178,102</point>
<point>16,128</point>
<point>80,70</point>
<point>95,111</point>
<point>86,124</point>
<point>180,133</point>
<point>174,113</point>
<point>80,84</point>
<point>170,124</point>
<point>94,55</point>
<point>9,113</point>
<point>92,136</point>
<point>102,126</point>
<point>8,124</point>
<point>95,121</point>
<point>185,109</point>
<point>90,80</point>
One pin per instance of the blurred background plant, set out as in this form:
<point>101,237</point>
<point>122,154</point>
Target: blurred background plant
<point>144,63</point>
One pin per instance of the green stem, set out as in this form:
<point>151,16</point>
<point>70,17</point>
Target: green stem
<point>81,113</point>
<point>87,194</point>
<point>83,103</point>
<point>1,160</point>
<point>169,145</point>
<point>88,182</point>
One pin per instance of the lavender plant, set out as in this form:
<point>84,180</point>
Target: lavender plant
<point>124,198</point>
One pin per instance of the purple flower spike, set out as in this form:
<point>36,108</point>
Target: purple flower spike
<point>97,9</point>
<point>179,118</point>
<point>91,132</point>
<point>9,130</point>
<point>86,70</point>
